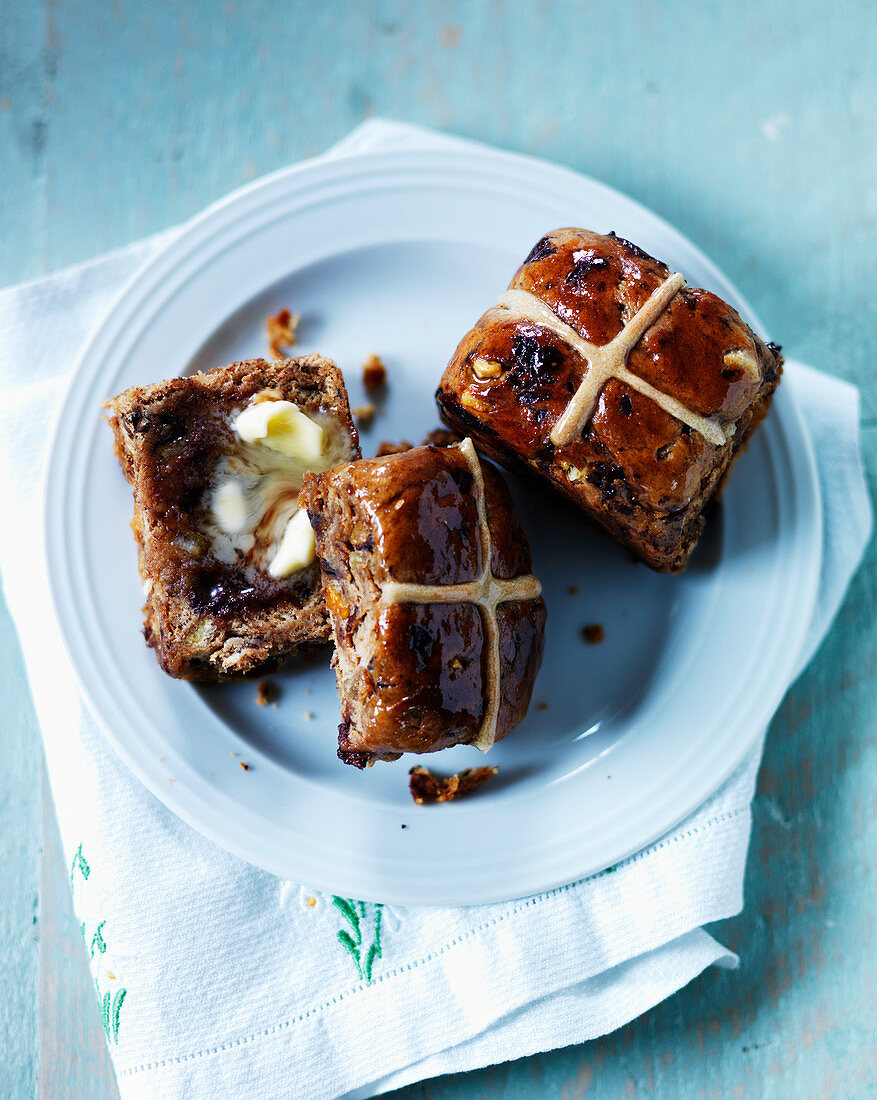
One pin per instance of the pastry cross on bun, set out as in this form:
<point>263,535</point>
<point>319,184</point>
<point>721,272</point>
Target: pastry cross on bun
<point>628,391</point>
<point>485,590</point>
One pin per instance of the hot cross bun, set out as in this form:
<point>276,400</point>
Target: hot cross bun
<point>437,620</point>
<point>226,555</point>
<point>626,390</point>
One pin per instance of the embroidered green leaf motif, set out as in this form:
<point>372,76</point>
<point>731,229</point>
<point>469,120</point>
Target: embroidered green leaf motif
<point>79,864</point>
<point>351,916</point>
<point>119,998</point>
<point>348,944</point>
<point>356,914</point>
<point>110,1002</point>
<point>104,1009</point>
<point>110,1008</point>
<point>97,941</point>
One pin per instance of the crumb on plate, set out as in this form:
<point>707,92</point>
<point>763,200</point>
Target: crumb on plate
<point>386,448</point>
<point>441,437</point>
<point>364,414</point>
<point>438,437</point>
<point>593,633</point>
<point>426,787</point>
<point>267,692</point>
<point>282,332</point>
<point>374,373</point>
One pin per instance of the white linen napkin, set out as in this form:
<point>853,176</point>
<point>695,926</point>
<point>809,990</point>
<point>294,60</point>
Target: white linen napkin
<point>216,979</point>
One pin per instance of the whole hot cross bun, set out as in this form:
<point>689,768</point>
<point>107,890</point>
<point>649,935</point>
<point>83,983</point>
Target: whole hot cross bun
<point>437,620</point>
<point>628,391</point>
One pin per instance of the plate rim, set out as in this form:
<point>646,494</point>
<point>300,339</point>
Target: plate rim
<point>187,243</point>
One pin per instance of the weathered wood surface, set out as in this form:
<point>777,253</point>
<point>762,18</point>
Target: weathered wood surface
<point>751,127</point>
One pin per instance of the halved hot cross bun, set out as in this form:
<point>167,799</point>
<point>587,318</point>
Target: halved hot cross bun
<point>226,556</point>
<point>628,391</point>
<point>437,619</point>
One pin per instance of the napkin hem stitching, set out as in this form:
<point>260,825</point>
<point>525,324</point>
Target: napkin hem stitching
<point>267,1032</point>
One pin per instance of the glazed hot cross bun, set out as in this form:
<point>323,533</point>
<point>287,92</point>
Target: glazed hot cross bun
<point>628,391</point>
<point>438,621</point>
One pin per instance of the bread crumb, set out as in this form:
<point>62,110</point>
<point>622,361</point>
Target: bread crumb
<point>364,414</point>
<point>308,714</point>
<point>593,633</point>
<point>426,787</point>
<point>246,767</point>
<point>573,591</point>
<point>311,902</point>
<point>438,437</point>
<point>374,373</point>
<point>441,437</point>
<point>282,329</point>
<point>267,692</point>
<point>386,448</point>
<point>542,706</point>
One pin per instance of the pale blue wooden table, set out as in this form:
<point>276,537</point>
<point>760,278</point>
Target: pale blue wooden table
<point>751,127</point>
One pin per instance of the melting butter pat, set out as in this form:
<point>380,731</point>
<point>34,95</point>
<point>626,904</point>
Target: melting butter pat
<point>297,547</point>
<point>230,507</point>
<point>282,427</point>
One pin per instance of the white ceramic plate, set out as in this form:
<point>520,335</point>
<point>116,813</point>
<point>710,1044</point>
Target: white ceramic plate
<point>399,253</point>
